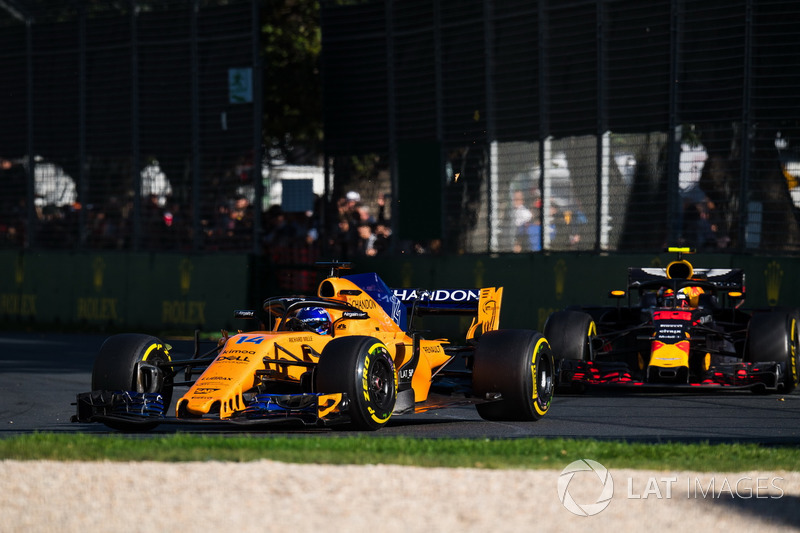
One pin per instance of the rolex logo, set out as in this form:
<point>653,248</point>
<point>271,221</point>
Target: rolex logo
<point>773,275</point>
<point>98,269</point>
<point>19,270</point>
<point>561,276</point>
<point>185,269</point>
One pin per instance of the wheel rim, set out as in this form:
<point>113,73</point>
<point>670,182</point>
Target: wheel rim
<point>542,373</point>
<point>380,384</point>
<point>544,379</point>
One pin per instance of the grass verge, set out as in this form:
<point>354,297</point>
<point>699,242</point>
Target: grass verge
<point>534,453</point>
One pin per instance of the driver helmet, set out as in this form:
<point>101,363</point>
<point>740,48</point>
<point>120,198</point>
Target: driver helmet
<point>316,319</point>
<point>682,300</point>
<point>693,295</point>
<point>666,297</point>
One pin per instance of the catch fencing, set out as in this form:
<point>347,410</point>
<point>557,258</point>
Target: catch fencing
<point>588,125</point>
<point>513,126</point>
<point>130,125</point>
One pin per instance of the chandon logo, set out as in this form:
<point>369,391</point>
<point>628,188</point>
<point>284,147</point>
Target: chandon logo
<point>605,481</point>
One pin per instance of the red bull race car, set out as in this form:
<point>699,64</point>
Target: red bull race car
<point>350,356</point>
<point>678,326</point>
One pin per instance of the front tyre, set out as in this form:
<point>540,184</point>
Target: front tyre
<point>119,367</point>
<point>362,368</point>
<point>514,369</point>
<point>570,335</point>
<point>774,337</point>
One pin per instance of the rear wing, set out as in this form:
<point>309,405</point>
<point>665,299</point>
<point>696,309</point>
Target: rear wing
<point>483,304</point>
<point>721,279</point>
<point>682,273</point>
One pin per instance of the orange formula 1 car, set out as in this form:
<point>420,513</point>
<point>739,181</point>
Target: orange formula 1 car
<point>348,355</point>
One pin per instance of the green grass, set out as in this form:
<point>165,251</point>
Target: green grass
<point>535,453</point>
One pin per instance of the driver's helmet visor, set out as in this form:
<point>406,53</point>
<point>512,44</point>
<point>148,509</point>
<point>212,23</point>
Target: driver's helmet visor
<point>318,325</point>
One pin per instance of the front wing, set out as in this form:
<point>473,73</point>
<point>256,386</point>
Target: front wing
<point>134,408</point>
<point>740,375</point>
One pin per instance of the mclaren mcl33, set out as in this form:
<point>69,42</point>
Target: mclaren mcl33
<point>349,356</point>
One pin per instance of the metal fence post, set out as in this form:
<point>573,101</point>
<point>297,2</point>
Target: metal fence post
<point>439,95</point>
<point>544,119</point>
<point>197,234</point>
<point>391,115</point>
<point>602,146</point>
<point>135,174</point>
<point>492,215</point>
<point>30,239</point>
<point>674,211</point>
<point>258,208</point>
<point>83,185</point>
<point>746,137</point>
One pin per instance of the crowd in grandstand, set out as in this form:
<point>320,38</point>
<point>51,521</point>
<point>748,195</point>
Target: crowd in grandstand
<point>348,229</point>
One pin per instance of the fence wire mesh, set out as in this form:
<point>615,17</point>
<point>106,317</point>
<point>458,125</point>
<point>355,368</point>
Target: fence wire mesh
<point>450,126</point>
<point>138,125</point>
<point>595,125</point>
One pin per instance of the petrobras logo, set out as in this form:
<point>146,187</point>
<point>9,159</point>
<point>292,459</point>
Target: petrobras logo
<point>599,484</point>
<point>440,295</point>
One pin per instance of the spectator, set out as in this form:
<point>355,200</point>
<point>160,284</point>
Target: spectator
<point>352,199</point>
<point>697,210</point>
<point>349,207</point>
<point>153,224</point>
<point>522,218</point>
<point>155,182</point>
<point>564,201</point>
<point>342,240</point>
<point>363,215</point>
<point>52,185</point>
<point>692,160</point>
<point>240,228</point>
<point>106,229</point>
<point>366,240</point>
<point>177,230</point>
<point>383,238</point>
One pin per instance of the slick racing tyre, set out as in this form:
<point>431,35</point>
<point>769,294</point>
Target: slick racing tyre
<point>570,335</point>
<point>118,368</point>
<point>362,368</point>
<point>513,369</point>
<point>774,337</point>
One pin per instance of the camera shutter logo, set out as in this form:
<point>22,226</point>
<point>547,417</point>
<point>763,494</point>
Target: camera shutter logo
<point>585,509</point>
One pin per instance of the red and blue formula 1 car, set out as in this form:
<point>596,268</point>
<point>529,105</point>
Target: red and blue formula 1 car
<point>348,355</point>
<point>681,327</point>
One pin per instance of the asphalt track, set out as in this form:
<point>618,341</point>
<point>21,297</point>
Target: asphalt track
<point>40,374</point>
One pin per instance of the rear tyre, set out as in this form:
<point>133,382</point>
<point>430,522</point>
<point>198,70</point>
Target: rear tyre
<point>117,368</point>
<point>774,337</point>
<point>361,367</point>
<point>517,367</point>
